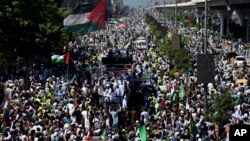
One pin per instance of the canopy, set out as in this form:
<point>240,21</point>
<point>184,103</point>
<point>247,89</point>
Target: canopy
<point>122,26</point>
<point>241,81</point>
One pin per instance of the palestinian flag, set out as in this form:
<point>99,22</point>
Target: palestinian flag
<point>104,135</point>
<point>60,58</point>
<point>86,18</point>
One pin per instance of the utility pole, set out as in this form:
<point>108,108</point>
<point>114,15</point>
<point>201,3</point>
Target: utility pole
<point>151,8</point>
<point>68,4</point>
<point>175,30</point>
<point>205,53</point>
<point>176,38</point>
<point>205,37</point>
<point>164,11</point>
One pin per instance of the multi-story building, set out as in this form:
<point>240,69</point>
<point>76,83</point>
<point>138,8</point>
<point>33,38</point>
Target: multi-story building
<point>116,6</point>
<point>178,1</point>
<point>71,3</point>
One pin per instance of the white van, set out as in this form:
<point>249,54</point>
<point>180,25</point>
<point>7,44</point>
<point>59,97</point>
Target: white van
<point>141,43</point>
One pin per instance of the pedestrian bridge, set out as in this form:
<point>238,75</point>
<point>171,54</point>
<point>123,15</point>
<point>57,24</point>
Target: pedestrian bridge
<point>184,4</point>
<point>224,10</point>
<point>201,3</point>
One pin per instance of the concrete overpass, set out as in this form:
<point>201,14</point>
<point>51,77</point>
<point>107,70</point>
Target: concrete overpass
<point>223,8</point>
<point>211,4</point>
<point>185,5</point>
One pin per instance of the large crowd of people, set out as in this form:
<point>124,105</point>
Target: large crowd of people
<point>92,103</point>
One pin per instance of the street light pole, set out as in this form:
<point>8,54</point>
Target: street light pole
<point>205,37</point>
<point>165,13</point>
<point>175,30</point>
<point>205,52</point>
<point>68,4</point>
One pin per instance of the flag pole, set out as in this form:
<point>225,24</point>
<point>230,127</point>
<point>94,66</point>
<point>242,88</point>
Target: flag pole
<point>67,75</point>
<point>67,61</point>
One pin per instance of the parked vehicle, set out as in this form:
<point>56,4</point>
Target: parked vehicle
<point>141,43</point>
<point>218,49</point>
<point>240,61</point>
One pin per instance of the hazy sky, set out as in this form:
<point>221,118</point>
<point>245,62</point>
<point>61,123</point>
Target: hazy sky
<point>136,3</point>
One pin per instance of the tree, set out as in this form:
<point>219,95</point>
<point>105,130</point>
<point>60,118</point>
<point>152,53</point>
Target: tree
<point>222,104</point>
<point>165,46</point>
<point>179,57</point>
<point>31,27</point>
<point>236,30</point>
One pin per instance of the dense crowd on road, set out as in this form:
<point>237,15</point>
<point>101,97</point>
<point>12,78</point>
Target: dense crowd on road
<point>45,103</point>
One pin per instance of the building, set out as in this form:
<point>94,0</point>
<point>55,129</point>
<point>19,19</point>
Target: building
<point>116,7</point>
<point>70,4</point>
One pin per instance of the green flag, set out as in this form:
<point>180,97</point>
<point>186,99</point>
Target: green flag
<point>167,139</point>
<point>74,79</point>
<point>104,135</point>
<point>236,99</point>
<point>192,127</point>
<point>163,88</point>
<point>143,133</point>
<point>109,43</point>
<point>182,93</point>
<point>171,97</point>
<point>171,94</point>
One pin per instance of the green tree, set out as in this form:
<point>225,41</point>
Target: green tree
<point>236,30</point>
<point>31,27</point>
<point>180,58</point>
<point>165,46</point>
<point>222,104</point>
